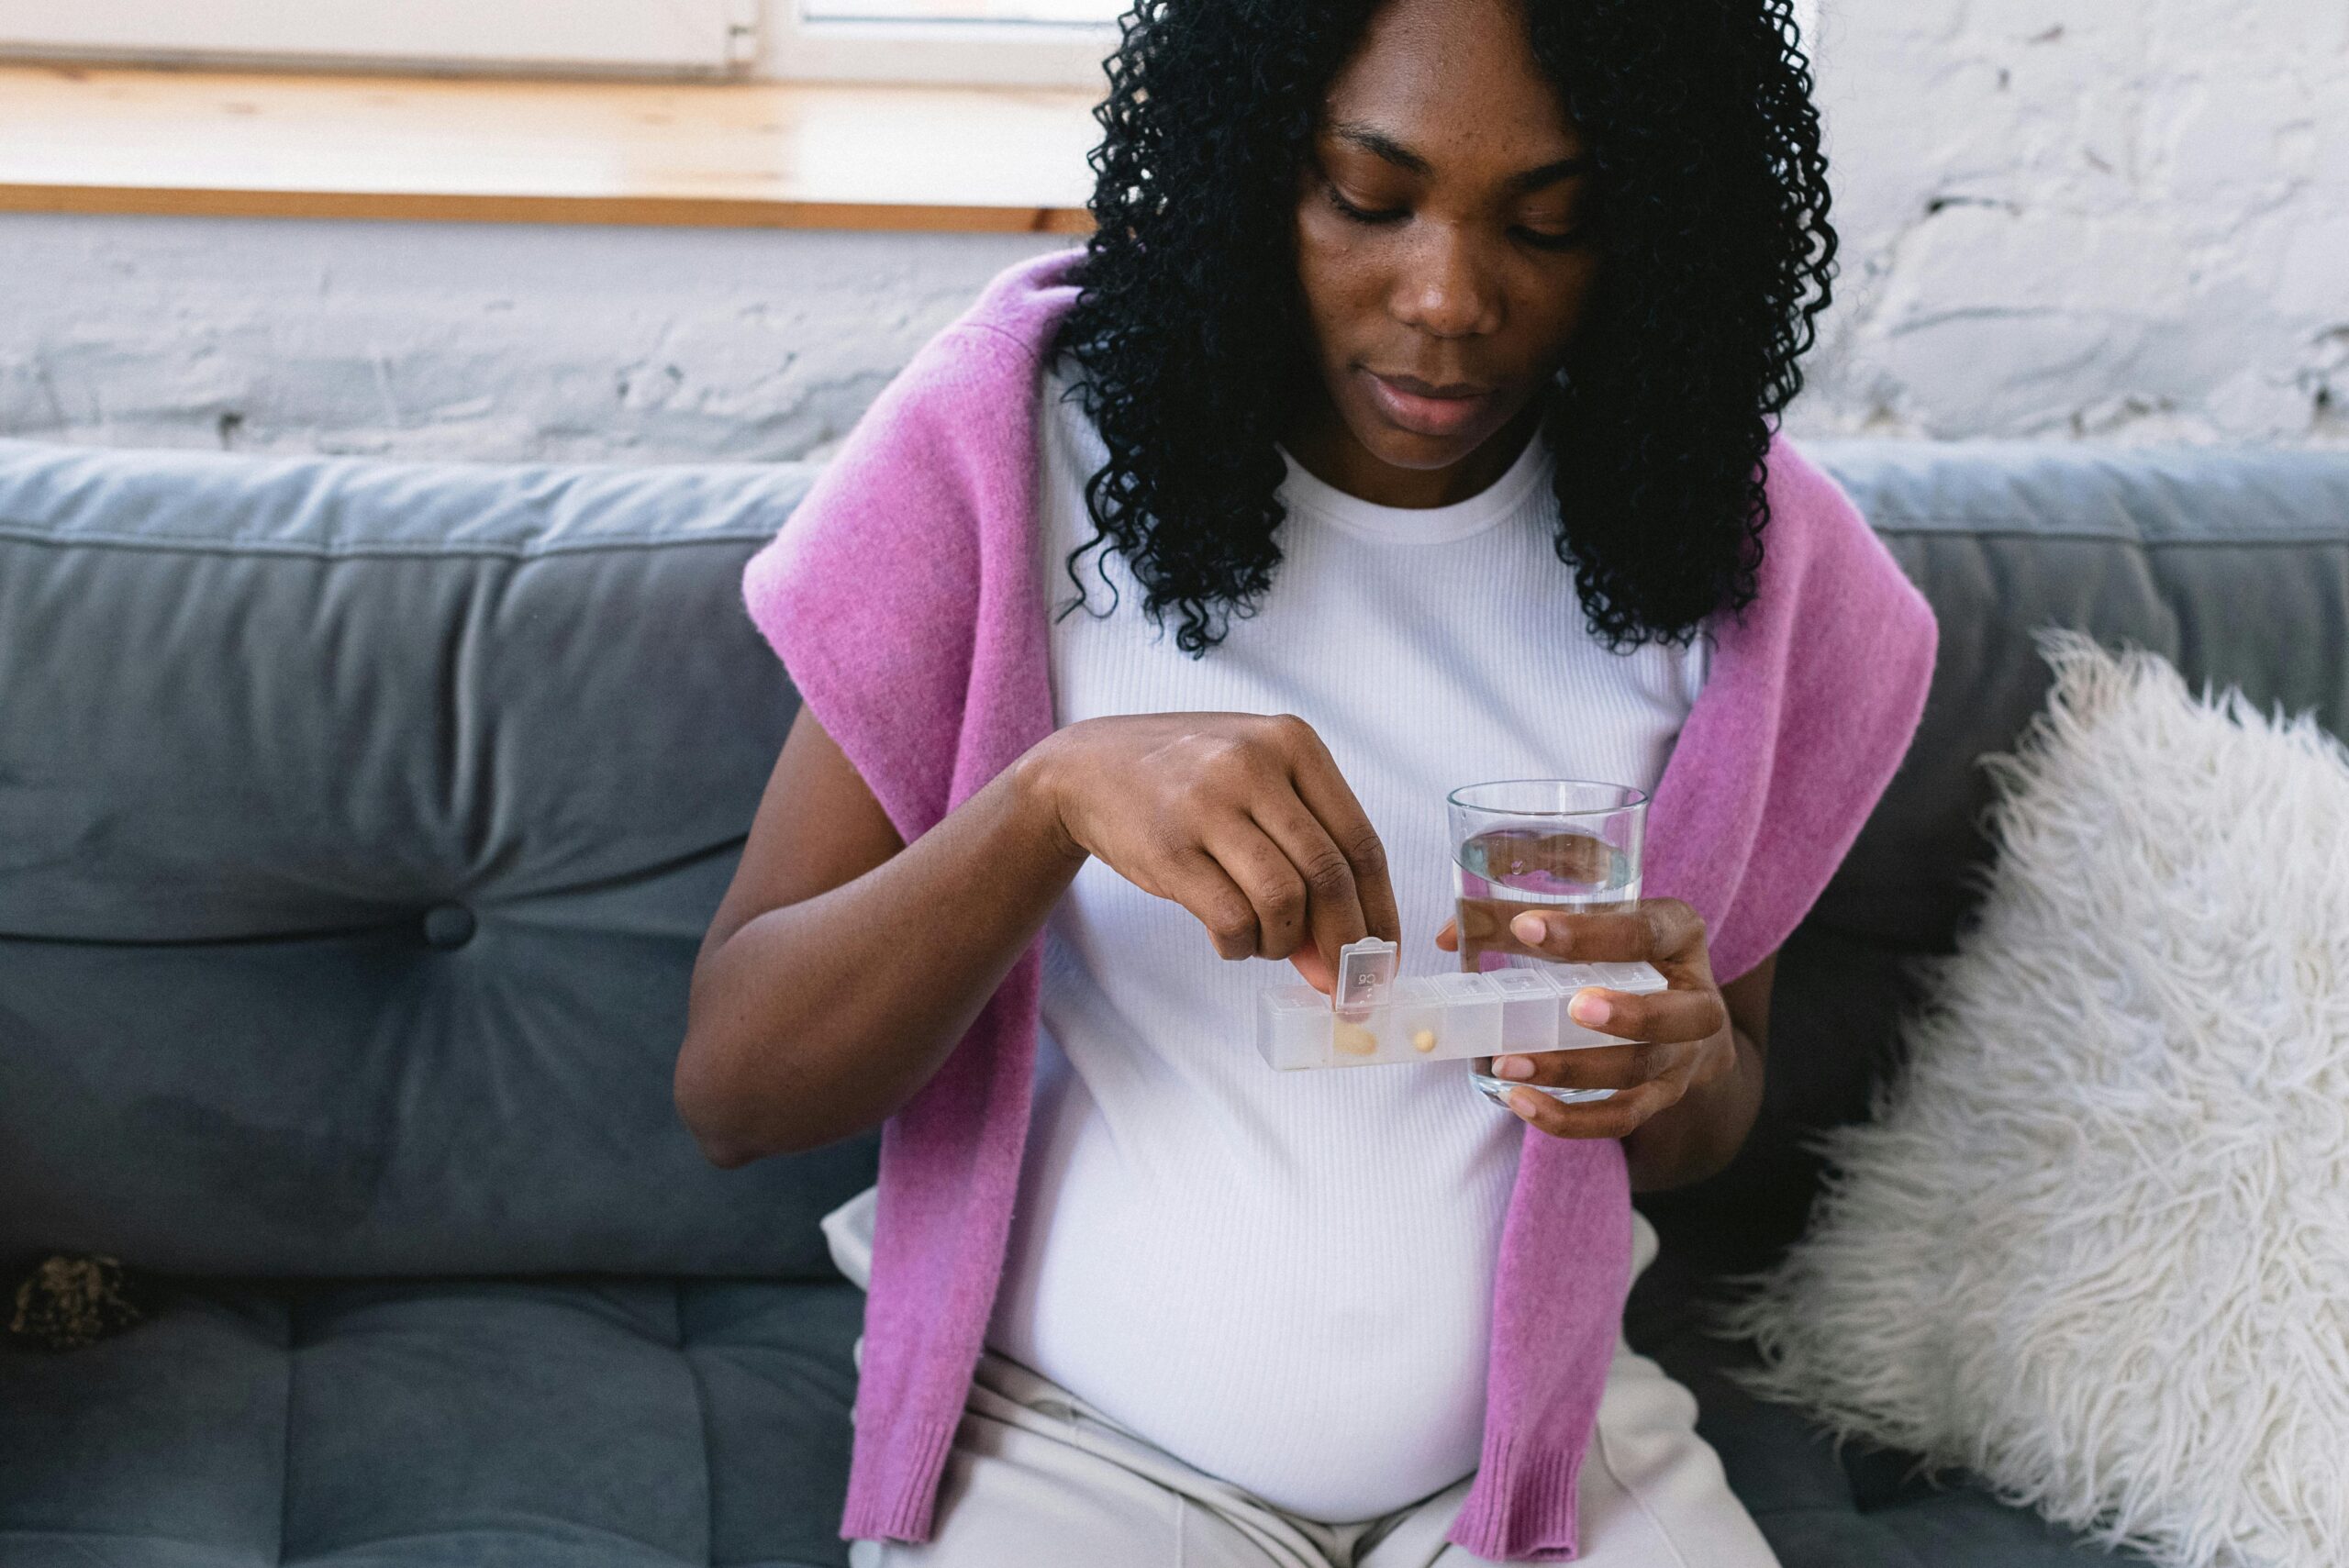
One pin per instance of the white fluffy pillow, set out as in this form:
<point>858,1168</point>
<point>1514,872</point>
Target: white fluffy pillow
<point>2094,1246</point>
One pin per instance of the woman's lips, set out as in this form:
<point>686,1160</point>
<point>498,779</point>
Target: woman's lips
<point>1427,412</point>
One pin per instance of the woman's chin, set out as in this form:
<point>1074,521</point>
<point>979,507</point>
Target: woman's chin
<point>1416,452</point>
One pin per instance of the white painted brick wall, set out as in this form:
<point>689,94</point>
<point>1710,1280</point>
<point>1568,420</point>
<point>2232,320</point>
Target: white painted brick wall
<point>2124,219</point>
<point>2114,219</point>
<point>465,341</point>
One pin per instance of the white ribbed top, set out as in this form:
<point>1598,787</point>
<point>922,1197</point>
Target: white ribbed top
<point>1284,1279</point>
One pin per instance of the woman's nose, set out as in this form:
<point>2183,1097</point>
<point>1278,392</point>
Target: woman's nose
<point>1443,289</point>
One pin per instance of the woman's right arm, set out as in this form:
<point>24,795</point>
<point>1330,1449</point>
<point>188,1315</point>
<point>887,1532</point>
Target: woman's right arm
<point>842,967</point>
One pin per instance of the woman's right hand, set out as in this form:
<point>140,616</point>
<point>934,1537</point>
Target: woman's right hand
<point>813,1016</point>
<point>1242,819</point>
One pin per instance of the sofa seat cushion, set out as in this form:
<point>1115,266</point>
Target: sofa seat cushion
<point>633,1423</point>
<point>644,1424</point>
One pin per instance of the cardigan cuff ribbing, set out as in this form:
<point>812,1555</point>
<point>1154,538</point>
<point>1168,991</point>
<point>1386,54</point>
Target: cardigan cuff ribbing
<point>1521,1508</point>
<point>893,1487</point>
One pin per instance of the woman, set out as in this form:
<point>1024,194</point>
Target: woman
<point>1406,422</point>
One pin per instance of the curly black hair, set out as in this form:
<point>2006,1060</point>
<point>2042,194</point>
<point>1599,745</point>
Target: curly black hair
<point>1190,334</point>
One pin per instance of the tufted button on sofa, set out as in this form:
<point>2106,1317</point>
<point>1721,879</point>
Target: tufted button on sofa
<point>359,822</point>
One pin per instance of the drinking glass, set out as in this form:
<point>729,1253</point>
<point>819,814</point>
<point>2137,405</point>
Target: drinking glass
<point>1520,844</point>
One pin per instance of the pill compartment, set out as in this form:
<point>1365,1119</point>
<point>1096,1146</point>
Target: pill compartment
<point>1633,979</point>
<point>1472,1014</point>
<point>1419,1026</point>
<point>1530,1005</point>
<point>1412,1015</point>
<point>1293,1026</point>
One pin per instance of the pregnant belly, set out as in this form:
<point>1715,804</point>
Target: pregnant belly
<point>1311,1327</point>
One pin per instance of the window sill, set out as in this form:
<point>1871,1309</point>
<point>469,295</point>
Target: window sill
<point>735,154</point>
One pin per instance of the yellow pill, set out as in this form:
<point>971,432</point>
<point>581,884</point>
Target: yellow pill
<point>1423,1041</point>
<point>1356,1041</point>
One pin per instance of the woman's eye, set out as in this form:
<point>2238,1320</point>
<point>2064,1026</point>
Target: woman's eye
<point>1363,215</point>
<point>1542,240</point>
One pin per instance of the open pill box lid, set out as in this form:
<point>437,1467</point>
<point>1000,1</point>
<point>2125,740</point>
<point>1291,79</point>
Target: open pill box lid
<point>1376,1018</point>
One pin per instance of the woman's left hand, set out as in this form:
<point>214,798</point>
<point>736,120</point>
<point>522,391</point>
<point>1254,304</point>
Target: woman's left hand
<point>1684,1037</point>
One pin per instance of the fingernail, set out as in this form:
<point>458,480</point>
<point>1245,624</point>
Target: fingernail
<point>1516,1067</point>
<point>1528,928</point>
<point>1525,1103</point>
<point>1589,1008</point>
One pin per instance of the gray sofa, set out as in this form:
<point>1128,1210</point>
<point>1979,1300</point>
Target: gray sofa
<point>358,822</point>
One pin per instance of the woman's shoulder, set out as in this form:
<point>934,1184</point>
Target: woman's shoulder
<point>1804,497</point>
<point>1818,549</point>
<point>931,483</point>
<point>1006,333</point>
<point>965,386</point>
<point>910,552</point>
<point>944,446</point>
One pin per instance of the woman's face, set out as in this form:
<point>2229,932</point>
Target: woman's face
<point>1441,249</point>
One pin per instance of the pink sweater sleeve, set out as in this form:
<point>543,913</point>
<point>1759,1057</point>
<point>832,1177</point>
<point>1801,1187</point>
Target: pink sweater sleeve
<point>904,600</point>
<point>870,593</point>
<point>1821,685</point>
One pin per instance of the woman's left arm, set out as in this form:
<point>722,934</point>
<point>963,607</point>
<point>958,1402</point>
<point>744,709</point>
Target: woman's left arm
<point>1686,1095</point>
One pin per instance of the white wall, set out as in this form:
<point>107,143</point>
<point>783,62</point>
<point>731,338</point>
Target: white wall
<point>2124,219</point>
<point>2116,218</point>
<point>465,341</point>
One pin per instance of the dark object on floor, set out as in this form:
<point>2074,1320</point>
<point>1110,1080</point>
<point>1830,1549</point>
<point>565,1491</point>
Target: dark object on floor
<point>66,1303</point>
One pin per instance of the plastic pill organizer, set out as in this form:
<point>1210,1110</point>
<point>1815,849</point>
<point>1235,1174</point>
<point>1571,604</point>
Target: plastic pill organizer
<point>1375,1018</point>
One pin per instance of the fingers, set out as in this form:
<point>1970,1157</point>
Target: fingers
<point>1330,799</point>
<point>1628,1066</point>
<point>1660,1015</point>
<point>1665,1032</point>
<point>1659,931</point>
<point>1646,1076</point>
<point>1333,911</point>
<point>1617,1118</point>
<point>1246,822</point>
<point>1268,877</point>
<point>1315,970</point>
<point>1199,882</point>
<point>1298,889</point>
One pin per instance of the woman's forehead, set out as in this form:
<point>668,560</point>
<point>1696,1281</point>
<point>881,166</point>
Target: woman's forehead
<point>1449,82</point>
<point>1528,172</point>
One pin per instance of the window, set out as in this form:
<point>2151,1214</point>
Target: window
<point>1081,13</point>
<point>1004,42</point>
<point>666,37</point>
<point>1026,42</point>
<point>1010,41</point>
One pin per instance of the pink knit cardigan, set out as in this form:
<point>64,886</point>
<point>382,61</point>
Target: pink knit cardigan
<point>907,599</point>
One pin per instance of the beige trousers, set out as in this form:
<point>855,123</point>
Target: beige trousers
<point>1039,1479</point>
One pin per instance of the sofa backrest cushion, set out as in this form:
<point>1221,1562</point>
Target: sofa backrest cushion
<point>359,822</point>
